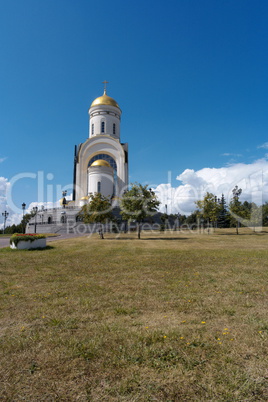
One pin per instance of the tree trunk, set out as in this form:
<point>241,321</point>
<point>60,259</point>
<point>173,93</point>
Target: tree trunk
<point>101,232</point>
<point>139,230</point>
<point>237,224</point>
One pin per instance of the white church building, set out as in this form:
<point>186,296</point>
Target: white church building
<point>101,162</point>
<point>100,166</point>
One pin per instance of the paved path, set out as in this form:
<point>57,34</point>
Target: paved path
<point>4,241</point>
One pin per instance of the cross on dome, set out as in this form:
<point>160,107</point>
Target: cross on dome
<point>105,86</point>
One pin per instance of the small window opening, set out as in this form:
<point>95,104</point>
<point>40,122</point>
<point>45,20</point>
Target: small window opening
<point>102,126</point>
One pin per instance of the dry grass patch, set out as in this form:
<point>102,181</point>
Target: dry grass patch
<point>170,317</point>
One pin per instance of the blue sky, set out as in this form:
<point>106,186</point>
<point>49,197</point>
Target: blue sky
<point>190,77</point>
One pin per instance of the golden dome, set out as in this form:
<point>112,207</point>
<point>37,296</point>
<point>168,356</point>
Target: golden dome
<point>101,162</point>
<point>84,198</point>
<point>104,100</point>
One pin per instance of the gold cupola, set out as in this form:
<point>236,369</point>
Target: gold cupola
<point>104,100</point>
<point>101,162</point>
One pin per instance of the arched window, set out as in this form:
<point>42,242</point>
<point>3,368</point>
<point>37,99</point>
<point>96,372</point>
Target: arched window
<point>103,127</point>
<point>99,187</point>
<point>49,220</point>
<point>105,157</point>
<point>92,129</point>
<point>114,129</point>
<point>78,218</point>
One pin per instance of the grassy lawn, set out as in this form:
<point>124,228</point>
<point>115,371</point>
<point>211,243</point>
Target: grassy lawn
<point>170,317</point>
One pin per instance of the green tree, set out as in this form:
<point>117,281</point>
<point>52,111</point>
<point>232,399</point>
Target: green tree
<point>193,218</point>
<point>247,207</point>
<point>164,221</point>
<point>265,214</point>
<point>27,217</point>
<point>176,220</point>
<point>98,210</point>
<point>236,208</point>
<point>20,228</point>
<point>13,229</point>
<point>256,216</point>
<point>223,218</point>
<point>209,207</point>
<point>252,215</point>
<point>139,203</point>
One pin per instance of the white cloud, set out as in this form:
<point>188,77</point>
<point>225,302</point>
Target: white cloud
<point>265,145</point>
<point>251,178</point>
<point>4,186</point>
<point>2,159</point>
<point>233,155</point>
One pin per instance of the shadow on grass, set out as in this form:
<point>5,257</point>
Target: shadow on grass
<point>25,250</point>
<point>41,249</point>
<point>243,234</point>
<point>165,238</point>
<point>151,238</point>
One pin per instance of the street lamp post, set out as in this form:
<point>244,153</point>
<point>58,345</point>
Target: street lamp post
<point>42,213</point>
<point>64,193</point>
<point>166,218</point>
<point>23,205</point>
<point>5,215</point>
<point>178,220</point>
<point>35,209</point>
<point>202,225</point>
